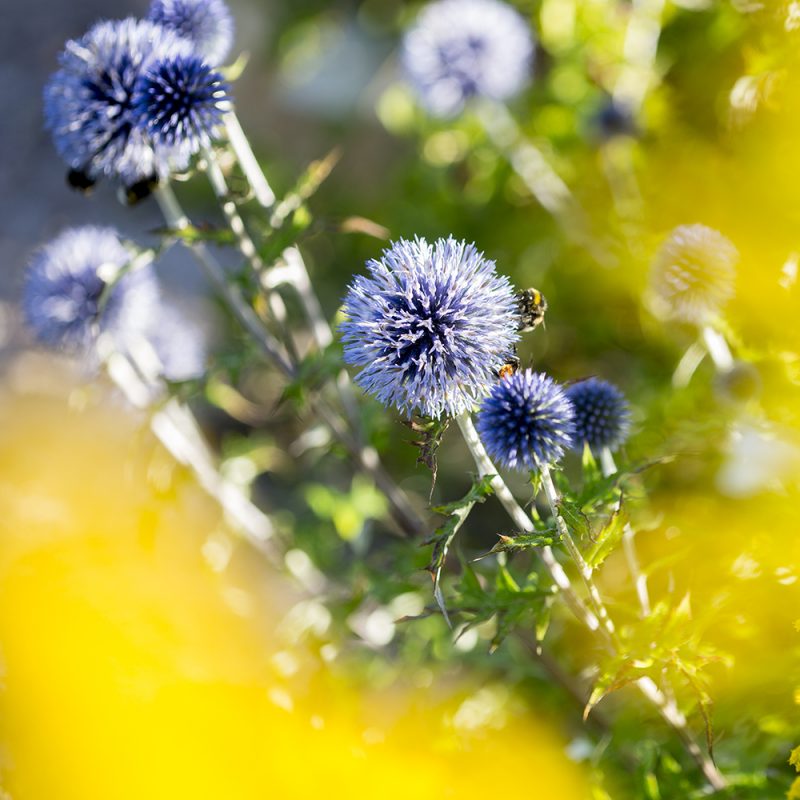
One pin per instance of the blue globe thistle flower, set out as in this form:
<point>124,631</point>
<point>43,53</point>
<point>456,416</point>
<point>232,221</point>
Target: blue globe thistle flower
<point>88,102</point>
<point>527,421</point>
<point>63,296</point>
<point>602,416</point>
<point>179,102</point>
<point>208,24</point>
<point>429,326</point>
<point>693,274</point>
<point>459,49</point>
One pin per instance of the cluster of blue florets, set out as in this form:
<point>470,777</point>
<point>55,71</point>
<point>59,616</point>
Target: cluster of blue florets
<point>430,328</point>
<point>87,283</point>
<point>135,99</point>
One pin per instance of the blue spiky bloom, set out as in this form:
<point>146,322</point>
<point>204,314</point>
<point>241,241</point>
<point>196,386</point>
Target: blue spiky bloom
<point>429,326</point>
<point>459,49</point>
<point>602,416</point>
<point>527,421</point>
<point>179,103</point>
<point>63,296</point>
<point>208,24</point>
<point>88,102</point>
<point>693,274</point>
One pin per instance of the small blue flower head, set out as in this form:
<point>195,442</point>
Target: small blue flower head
<point>179,103</point>
<point>602,416</point>
<point>429,326</point>
<point>88,102</point>
<point>67,301</point>
<point>693,274</point>
<point>208,24</point>
<point>459,49</point>
<point>527,421</point>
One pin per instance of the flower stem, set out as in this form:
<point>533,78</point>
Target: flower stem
<point>176,428</point>
<point>609,467</point>
<point>718,349</point>
<point>522,520</point>
<point>248,162</point>
<point>404,514</point>
<point>246,245</point>
<point>584,570</point>
<point>542,180</point>
<point>668,710</point>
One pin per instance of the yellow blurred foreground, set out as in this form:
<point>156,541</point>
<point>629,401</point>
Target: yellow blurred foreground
<point>137,667</point>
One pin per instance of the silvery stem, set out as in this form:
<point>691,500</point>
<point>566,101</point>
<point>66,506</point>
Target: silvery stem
<point>640,49</point>
<point>177,220</point>
<point>248,162</point>
<point>366,458</point>
<point>300,280</point>
<point>522,520</point>
<point>177,430</point>
<point>539,177</point>
<point>609,467</point>
<point>585,571</point>
<point>245,244</point>
<point>666,708</point>
<point>718,349</point>
<point>688,365</point>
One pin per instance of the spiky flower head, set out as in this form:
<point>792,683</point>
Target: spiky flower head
<point>693,273</point>
<point>208,24</point>
<point>88,102</point>
<point>459,49</point>
<point>602,416</point>
<point>527,421</point>
<point>429,326</point>
<point>73,290</point>
<point>179,103</point>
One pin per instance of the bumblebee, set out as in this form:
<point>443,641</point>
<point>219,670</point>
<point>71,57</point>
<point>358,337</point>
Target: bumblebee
<point>532,305</point>
<point>509,368</point>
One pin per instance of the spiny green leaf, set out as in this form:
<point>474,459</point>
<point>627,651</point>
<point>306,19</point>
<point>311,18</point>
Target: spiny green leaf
<point>607,538</point>
<point>444,535</point>
<point>522,541</point>
<point>479,491</point>
<point>620,672</point>
<point>575,518</point>
<point>307,185</point>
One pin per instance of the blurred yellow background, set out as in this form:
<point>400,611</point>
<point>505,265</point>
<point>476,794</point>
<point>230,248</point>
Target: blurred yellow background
<point>134,669</point>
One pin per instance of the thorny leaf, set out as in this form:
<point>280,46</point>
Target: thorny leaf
<point>307,185</point>
<point>443,536</point>
<point>607,538</point>
<point>620,672</point>
<point>576,519</point>
<point>522,541</point>
<point>430,432</point>
<point>481,489</point>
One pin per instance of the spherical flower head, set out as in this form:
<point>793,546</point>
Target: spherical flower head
<point>526,422</point>
<point>693,274</point>
<point>88,102</point>
<point>459,49</point>
<point>602,416</point>
<point>67,296</point>
<point>208,24</point>
<point>179,103</point>
<point>429,326</point>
